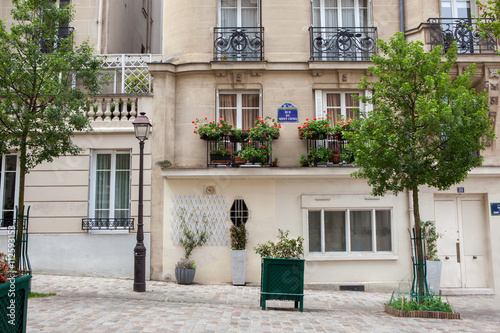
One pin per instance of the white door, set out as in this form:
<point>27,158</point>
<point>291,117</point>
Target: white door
<point>463,246</point>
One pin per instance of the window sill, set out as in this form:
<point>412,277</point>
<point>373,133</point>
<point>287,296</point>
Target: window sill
<point>351,257</point>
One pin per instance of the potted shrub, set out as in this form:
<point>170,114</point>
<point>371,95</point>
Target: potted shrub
<point>335,155</point>
<point>275,162</point>
<point>195,232</point>
<point>320,155</point>
<point>316,129</point>
<point>282,270</point>
<point>303,161</point>
<point>255,155</point>
<point>238,253</point>
<point>433,264</point>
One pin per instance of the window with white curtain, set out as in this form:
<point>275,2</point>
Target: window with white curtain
<point>8,189</point>
<point>240,109</point>
<point>349,231</point>
<point>110,185</point>
<point>340,13</point>
<point>337,104</point>
<point>239,13</point>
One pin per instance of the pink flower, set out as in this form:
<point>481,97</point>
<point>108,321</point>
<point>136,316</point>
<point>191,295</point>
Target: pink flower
<point>263,146</point>
<point>220,126</point>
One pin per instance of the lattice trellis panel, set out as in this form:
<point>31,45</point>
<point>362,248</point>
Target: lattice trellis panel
<point>213,206</point>
<point>130,72</point>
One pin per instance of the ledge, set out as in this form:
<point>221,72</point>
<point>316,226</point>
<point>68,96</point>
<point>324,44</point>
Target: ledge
<point>258,173</point>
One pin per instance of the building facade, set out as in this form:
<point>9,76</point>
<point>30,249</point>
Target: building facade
<point>242,59</point>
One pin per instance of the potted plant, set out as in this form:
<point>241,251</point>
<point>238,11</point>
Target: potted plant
<point>275,162</point>
<point>317,129</point>
<point>238,135</point>
<point>335,155</point>
<point>212,130</point>
<point>342,125</point>
<point>282,270</point>
<point>265,129</point>
<point>255,155</point>
<point>238,253</point>
<point>320,155</point>
<point>195,232</point>
<point>433,264</point>
<point>220,153</point>
<point>303,161</point>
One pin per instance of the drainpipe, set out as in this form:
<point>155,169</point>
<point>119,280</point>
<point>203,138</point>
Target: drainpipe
<point>99,27</point>
<point>401,16</point>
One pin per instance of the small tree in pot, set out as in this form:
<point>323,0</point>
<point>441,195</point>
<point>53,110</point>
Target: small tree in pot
<point>195,232</point>
<point>282,274</point>
<point>238,253</point>
<point>433,264</point>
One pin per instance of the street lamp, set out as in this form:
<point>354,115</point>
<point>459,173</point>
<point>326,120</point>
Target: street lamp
<point>142,128</point>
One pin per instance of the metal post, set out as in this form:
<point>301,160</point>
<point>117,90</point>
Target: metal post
<point>140,249</point>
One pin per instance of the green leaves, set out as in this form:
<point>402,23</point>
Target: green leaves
<point>425,128</point>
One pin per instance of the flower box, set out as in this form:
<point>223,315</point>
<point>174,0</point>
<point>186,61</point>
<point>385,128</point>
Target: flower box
<point>220,159</point>
<point>14,304</point>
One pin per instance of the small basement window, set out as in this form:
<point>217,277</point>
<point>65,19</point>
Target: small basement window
<point>239,212</point>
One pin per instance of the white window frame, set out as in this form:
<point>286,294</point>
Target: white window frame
<point>238,14</point>
<point>348,254</point>
<point>239,103</point>
<point>92,186</point>
<point>454,8</point>
<point>321,101</point>
<point>357,23</point>
<point>2,187</point>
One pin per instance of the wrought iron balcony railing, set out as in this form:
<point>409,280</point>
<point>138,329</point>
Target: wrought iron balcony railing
<point>108,224</point>
<point>342,44</point>
<point>445,31</point>
<point>48,46</point>
<point>239,44</point>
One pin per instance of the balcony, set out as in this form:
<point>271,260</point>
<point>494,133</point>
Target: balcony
<point>342,44</point>
<point>118,108</point>
<point>445,31</point>
<point>48,46</point>
<point>239,44</point>
<point>129,73</point>
<point>328,151</point>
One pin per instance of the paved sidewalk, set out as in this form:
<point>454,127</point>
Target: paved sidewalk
<point>86,304</point>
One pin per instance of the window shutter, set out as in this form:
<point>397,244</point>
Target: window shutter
<point>368,107</point>
<point>318,97</point>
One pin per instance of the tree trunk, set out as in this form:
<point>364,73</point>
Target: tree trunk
<point>420,254</point>
<point>20,208</point>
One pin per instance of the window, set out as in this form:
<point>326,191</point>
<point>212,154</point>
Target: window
<point>110,189</point>
<point>8,185</point>
<point>239,13</point>
<point>349,231</point>
<point>340,13</point>
<point>240,109</point>
<point>456,9</point>
<point>63,30</point>
<point>337,105</point>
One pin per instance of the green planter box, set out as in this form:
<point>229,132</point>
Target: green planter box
<point>14,304</point>
<point>282,279</point>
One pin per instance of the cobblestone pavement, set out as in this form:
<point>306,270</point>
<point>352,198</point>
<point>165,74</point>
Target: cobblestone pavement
<point>86,304</point>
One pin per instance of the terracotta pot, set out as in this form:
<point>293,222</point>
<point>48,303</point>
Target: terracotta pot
<point>336,158</point>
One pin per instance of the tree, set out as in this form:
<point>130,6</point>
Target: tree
<point>44,84</point>
<point>425,128</point>
<point>490,10</point>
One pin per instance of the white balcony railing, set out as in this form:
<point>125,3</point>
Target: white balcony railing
<point>128,73</point>
<point>118,108</point>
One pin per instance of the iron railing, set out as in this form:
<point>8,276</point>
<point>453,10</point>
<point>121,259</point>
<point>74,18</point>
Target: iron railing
<point>342,44</point>
<point>333,142</point>
<point>108,224</point>
<point>129,72</point>
<point>48,46</point>
<point>239,44</point>
<point>465,32</point>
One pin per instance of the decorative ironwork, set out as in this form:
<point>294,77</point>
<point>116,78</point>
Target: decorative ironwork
<point>108,224</point>
<point>48,46</point>
<point>229,143</point>
<point>239,44</point>
<point>333,142</point>
<point>342,44</point>
<point>445,31</point>
<point>129,71</point>
<point>213,207</point>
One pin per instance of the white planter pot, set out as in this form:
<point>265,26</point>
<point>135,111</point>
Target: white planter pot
<point>434,275</point>
<point>238,266</point>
